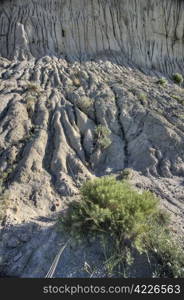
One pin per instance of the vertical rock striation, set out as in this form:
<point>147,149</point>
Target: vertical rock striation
<point>150,33</point>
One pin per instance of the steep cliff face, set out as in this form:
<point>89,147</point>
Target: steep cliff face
<point>150,33</point>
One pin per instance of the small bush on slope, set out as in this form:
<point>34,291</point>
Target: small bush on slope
<point>162,81</point>
<point>102,134</point>
<point>169,253</point>
<point>4,201</point>
<point>113,210</point>
<point>178,78</point>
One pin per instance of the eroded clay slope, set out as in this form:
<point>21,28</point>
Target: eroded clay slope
<point>49,112</point>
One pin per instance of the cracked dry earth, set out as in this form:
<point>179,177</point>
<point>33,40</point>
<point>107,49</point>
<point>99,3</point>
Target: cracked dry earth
<point>49,109</point>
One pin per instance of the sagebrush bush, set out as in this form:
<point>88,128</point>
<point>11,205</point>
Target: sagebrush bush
<point>178,78</point>
<point>127,173</point>
<point>117,213</point>
<point>162,81</point>
<point>178,98</point>
<point>84,103</point>
<point>102,135</point>
<point>113,207</point>
<point>4,202</point>
<point>142,98</point>
<point>168,252</point>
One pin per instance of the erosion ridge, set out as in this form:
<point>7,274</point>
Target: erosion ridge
<point>62,75</point>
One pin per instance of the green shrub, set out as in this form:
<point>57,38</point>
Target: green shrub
<point>102,135</point>
<point>84,103</point>
<point>126,173</point>
<point>177,98</point>
<point>4,202</point>
<point>111,206</point>
<point>142,98</point>
<point>178,78</point>
<point>5,175</point>
<point>124,219</point>
<point>169,253</point>
<point>162,81</point>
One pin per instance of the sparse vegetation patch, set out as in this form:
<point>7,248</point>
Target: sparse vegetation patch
<point>178,78</point>
<point>124,219</point>
<point>162,81</point>
<point>102,134</point>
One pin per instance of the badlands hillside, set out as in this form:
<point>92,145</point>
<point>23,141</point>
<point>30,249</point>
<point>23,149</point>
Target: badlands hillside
<point>68,68</point>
